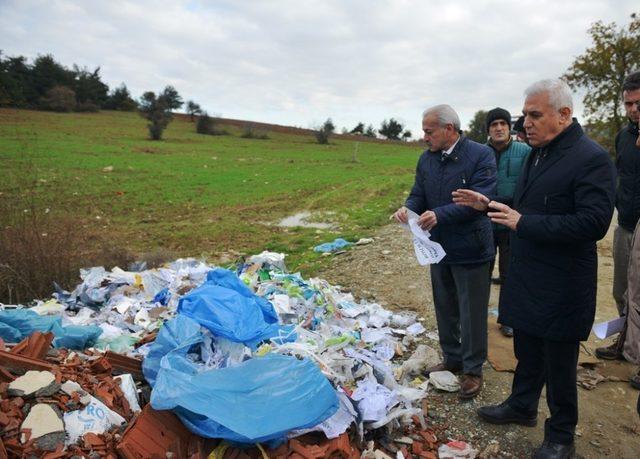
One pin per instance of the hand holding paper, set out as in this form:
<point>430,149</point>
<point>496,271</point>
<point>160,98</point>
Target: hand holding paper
<point>427,251</point>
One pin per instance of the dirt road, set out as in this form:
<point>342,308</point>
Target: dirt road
<point>386,272</point>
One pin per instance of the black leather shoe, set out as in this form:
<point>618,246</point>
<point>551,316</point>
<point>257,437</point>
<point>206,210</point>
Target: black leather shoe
<point>550,450</point>
<point>504,414</point>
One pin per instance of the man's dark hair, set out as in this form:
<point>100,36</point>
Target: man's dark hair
<point>631,82</point>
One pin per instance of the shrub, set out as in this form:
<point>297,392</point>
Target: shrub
<point>59,99</point>
<point>208,125</point>
<point>204,124</point>
<point>324,132</point>
<point>87,107</point>
<point>39,247</point>
<point>251,132</point>
<point>157,111</point>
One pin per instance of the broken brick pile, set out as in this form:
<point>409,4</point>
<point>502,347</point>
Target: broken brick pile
<point>93,372</point>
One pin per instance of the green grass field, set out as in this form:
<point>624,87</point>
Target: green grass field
<point>198,195</point>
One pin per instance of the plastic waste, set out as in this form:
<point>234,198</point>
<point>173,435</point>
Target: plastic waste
<point>76,336</point>
<point>444,380</point>
<point>335,425</point>
<point>423,357</point>
<point>259,400</point>
<point>51,307</point>
<point>18,324</point>
<point>128,386</point>
<point>271,258</point>
<point>226,307</point>
<point>374,400</point>
<point>337,244</point>
<point>174,340</point>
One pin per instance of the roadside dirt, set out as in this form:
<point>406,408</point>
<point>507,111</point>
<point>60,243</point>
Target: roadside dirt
<point>386,272</point>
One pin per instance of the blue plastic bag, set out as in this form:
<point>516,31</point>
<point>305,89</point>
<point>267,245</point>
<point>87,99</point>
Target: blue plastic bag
<point>77,336</point>
<point>18,324</point>
<point>259,400</point>
<point>175,337</point>
<point>227,308</point>
<point>228,279</point>
<point>332,246</point>
<point>162,297</point>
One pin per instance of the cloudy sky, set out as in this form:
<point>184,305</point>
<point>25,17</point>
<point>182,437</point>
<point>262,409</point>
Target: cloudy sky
<point>298,62</point>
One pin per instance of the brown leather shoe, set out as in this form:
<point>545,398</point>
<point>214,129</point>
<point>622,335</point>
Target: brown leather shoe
<point>470,386</point>
<point>442,366</point>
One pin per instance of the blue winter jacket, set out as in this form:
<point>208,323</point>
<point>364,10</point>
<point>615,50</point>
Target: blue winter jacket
<point>464,233</point>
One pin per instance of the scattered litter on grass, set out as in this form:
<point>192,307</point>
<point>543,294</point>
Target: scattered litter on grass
<point>333,246</point>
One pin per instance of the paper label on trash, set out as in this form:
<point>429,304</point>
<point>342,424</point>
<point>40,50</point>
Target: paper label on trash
<point>608,328</point>
<point>427,251</point>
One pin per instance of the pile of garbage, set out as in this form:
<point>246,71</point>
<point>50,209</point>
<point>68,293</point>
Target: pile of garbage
<point>248,355</point>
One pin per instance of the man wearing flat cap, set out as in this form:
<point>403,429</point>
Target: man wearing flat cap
<point>510,157</point>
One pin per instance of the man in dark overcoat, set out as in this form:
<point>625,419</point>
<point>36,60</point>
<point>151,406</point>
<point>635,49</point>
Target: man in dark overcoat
<point>562,205</point>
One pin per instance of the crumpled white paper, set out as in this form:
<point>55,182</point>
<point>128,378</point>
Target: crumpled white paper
<point>427,251</point>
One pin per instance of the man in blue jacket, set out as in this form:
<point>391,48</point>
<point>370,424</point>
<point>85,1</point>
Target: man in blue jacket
<point>510,157</point>
<point>562,205</point>
<point>460,282</point>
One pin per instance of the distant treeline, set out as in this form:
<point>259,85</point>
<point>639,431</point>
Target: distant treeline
<point>48,85</point>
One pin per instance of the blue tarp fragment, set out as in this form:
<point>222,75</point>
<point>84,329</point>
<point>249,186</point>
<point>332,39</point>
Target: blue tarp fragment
<point>259,400</point>
<point>332,246</point>
<point>227,308</point>
<point>18,324</point>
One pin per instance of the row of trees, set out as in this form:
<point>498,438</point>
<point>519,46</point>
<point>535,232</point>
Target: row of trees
<point>48,85</point>
<point>391,130</point>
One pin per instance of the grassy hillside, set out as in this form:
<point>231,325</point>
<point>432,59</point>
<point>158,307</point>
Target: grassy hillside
<point>194,194</point>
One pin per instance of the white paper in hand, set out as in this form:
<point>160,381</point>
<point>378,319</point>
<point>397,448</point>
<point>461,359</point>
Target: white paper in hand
<point>608,328</point>
<point>427,251</point>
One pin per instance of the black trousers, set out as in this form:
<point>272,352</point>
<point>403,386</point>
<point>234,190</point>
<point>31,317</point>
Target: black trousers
<point>553,363</point>
<point>503,248</point>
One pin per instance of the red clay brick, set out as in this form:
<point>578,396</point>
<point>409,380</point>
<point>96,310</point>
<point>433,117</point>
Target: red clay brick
<point>23,363</point>
<point>124,364</point>
<point>153,433</point>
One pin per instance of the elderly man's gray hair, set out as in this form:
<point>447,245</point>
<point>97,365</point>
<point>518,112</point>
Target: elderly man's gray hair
<point>444,114</point>
<point>559,92</point>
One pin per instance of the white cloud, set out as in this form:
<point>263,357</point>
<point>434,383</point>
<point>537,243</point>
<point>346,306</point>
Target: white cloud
<point>292,62</point>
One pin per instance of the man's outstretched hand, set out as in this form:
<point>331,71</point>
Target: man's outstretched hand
<point>471,198</point>
<point>498,212</point>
